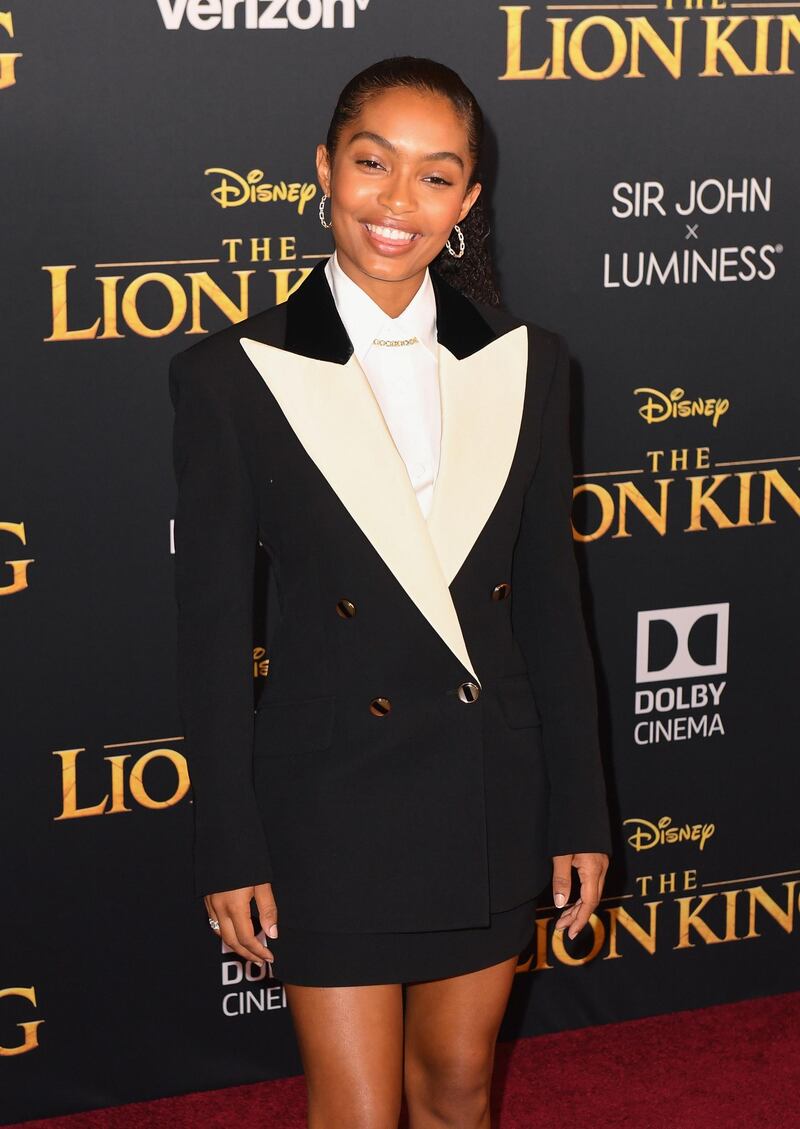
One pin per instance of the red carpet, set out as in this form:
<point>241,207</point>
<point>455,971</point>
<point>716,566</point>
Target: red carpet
<point>734,1066</point>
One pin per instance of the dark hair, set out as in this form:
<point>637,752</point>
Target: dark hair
<point>474,272</point>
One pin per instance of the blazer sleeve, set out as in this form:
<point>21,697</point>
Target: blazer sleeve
<point>215,537</point>
<point>547,619</point>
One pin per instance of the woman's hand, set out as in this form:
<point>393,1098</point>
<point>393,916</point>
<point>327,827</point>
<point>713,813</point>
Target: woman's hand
<point>591,867</point>
<point>231,908</point>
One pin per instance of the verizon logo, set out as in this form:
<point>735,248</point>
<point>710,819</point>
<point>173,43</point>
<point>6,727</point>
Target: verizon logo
<point>207,15</point>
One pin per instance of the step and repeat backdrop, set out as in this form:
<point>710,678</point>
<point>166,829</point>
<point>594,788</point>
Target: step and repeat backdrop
<point>158,183</point>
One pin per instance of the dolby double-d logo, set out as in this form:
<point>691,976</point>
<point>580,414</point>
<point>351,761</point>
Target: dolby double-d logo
<point>687,642</point>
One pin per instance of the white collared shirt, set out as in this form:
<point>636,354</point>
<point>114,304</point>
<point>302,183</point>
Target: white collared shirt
<point>403,378</point>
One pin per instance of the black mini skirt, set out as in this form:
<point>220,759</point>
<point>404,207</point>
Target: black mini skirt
<point>334,960</point>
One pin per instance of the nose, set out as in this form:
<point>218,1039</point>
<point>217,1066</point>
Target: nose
<point>397,192</point>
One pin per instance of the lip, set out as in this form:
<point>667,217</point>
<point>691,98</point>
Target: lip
<point>388,246</point>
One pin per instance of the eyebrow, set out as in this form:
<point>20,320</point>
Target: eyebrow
<point>368,135</point>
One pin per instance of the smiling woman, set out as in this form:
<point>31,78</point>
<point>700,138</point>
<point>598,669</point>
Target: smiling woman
<point>424,756</point>
<point>405,192</point>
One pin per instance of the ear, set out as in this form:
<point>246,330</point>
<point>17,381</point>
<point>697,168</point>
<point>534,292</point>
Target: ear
<point>324,169</point>
<point>469,200</point>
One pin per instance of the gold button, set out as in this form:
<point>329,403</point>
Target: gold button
<point>500,591</point>
<point>346,608</point>
<point>468,691</point>
<point>380,706</point>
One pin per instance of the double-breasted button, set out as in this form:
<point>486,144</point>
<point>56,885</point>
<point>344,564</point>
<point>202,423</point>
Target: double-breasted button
<point>346,608</point>
<point>468,691</point>
<point>500,591</point>
<point>380,706</point>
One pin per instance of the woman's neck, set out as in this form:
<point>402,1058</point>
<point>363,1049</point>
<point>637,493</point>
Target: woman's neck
<point>392,295</point>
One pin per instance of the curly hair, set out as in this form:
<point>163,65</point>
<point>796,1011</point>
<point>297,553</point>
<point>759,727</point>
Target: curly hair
<point>474,272</point>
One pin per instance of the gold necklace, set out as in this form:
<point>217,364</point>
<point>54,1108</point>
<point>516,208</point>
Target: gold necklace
<point>405,341</point>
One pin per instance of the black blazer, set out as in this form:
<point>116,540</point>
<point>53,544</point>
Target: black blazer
<point>426,738</point>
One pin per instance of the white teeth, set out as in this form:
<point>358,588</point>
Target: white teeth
<point>390,233</point>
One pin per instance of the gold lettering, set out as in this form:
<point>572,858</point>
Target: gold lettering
<point>58,298</point>
<point>606,511</point>
<point>202,283</point>
<point>717,45</point>
<point>69,788</point>
<point>701,500</point>
<point>790,28</point>
<point>691,919</point>
<point>8,59</point>
<point>19,568</point>
<point>774,479</point>
<point>283,288</point>
<point>136,782</point>
<point>175,293</point>
<point>541,948</point>
<point>642,29</point>
<point>139,793</point>
<point>656,517</point>
<point>618,915</point>
<point>619,48</point>
<point>30,1028</point>
<point>758,896</point>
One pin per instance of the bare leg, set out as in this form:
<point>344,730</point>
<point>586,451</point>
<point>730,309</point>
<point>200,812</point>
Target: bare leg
<point>351,1043</point>
<point>451,1029</point>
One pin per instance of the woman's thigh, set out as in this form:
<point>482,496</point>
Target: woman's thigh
<point>451,1029</point>
<point>351,1043</point>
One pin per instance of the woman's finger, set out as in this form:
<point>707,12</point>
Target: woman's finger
<point>251,947</point>
<point>568,916</point>
<point>267,910</point>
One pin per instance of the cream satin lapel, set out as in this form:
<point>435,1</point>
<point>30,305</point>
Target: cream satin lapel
<point>482,401</point>
<point>325,403</point>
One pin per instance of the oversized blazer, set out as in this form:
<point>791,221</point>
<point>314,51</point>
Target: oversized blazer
<point>426,737</point>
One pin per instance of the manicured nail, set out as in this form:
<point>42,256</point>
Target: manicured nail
<point>559,899</point>
<point>272,931</point>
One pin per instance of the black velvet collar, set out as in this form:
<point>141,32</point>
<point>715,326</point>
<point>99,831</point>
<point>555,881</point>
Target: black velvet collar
<point>314,328</point>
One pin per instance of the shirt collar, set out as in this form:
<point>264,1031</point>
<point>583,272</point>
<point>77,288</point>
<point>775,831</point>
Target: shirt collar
<point>364,320</point>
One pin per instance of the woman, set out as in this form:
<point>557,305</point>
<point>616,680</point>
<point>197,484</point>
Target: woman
<point>424,754</point>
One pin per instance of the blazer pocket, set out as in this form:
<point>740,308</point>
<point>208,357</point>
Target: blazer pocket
<point>517,701</point>
<point>286,727</point>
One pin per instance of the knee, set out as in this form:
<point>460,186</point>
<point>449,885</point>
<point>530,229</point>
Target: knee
<point>451,1087</point>
<point>352,1111</point>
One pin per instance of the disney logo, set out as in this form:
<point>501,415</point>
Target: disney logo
<point>234,190</point>
<point>647,834</point>
<point>660,406</point>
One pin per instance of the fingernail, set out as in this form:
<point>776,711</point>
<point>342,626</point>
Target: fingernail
<point>559,899</point>
<point>573,934</point>
<point>272,931</point>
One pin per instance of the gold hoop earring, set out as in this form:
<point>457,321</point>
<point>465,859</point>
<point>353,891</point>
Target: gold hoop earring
<point>460,252</point>
<point>322,212</point>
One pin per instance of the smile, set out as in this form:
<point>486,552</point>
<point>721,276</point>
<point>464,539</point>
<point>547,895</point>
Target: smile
<point>391,233</point>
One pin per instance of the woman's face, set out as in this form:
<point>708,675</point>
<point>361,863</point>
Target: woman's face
<point>398,185</point>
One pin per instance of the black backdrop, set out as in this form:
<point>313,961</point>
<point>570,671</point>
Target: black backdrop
<point>138,144</point>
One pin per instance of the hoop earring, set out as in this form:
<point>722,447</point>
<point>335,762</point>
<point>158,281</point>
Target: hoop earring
<point>457,254</point>
<point>322,212</point>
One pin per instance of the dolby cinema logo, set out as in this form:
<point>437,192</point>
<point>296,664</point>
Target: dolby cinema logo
<point>681,663</point>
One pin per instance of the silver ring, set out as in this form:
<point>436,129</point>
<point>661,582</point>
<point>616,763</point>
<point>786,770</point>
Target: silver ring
<point>214,924</point>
